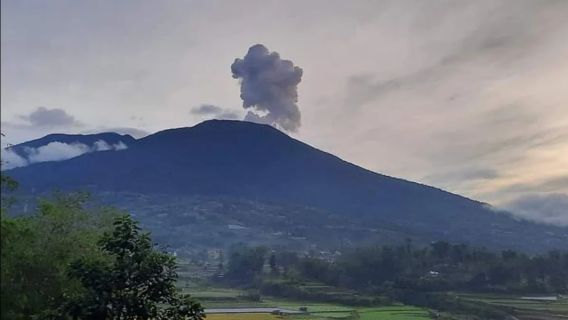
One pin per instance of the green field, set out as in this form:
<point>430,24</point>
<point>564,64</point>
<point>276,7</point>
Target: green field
<point>394,313</point>
<point>230,298</point>
<point>243,316</point>
<point>525,308</point>
<point>335,313</point>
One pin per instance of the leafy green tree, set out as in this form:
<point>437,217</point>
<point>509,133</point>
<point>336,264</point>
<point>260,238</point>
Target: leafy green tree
<point>137,283</point>
<point>245,263</point>
<point>7,185</point>
<point>36,250</point>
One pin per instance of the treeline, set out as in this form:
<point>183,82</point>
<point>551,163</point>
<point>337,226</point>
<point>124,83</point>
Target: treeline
<point>389,269</point>
<point>68,262</point>
<point>414,275</point>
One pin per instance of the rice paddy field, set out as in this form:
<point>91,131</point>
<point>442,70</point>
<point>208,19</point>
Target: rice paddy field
<point>216,298</point>
<point>334,313</point>
<point>527,308</point>
<point>523,308</point>
<point>243,316</point>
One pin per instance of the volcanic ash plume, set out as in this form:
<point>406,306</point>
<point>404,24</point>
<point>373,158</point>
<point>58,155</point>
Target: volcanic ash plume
<point>269,88</point>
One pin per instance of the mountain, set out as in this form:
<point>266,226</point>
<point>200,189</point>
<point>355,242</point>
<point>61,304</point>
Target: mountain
<point>109,138</point>
<point>237,168</point>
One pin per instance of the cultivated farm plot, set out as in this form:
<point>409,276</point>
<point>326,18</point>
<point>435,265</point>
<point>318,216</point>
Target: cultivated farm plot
<point>215,293</point>
<point>331,312</point>
<point>394,313</point>
<point>229,298</point>
<point>524,308</point>
<point>316,308</point>
<point>243,316</point>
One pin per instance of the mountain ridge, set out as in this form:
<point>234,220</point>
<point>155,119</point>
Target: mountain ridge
<point>242,160</point>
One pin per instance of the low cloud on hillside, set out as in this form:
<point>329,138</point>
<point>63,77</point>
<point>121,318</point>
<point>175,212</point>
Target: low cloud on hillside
<point>53,151</point>
<point>549,208</point>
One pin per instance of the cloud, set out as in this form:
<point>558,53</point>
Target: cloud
<point>503,39</point>
<point>40,122</point>
<point>45,117</point>
<point>11,159</point>
<point>548,208</point>
<point>269,88</point>
<point>425,78</point>
<point>206,109</point>
<point>120,146</point>
<point>559,183</point>
<point>209,110</point>
<point>54,151</point>
<point>463,175</point>
<point>101,145</point>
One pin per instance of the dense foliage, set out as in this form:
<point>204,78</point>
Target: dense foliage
<point>137,283</point>
<point>440,267</point>
<point>444,266</point>
<point>420,276</point>
<point>245,263</point>
<point>68,262</point>
<point>37,249</point>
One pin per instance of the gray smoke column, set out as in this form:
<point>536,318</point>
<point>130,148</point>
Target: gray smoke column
<point>269,88</point>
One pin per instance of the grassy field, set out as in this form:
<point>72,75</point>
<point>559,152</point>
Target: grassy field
<point>229,298</point>
<point>394,313</point>
<point>243,316</point>
<point>525,308</point>
<point>379,313</point>
<point>336,313</point>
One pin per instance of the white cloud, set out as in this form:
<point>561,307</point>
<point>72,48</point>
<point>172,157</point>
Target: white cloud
<point>11,160</point>
<point>101,145</point>
<point>548,208</point>
<point>120,146</point>
<point>54,151</point>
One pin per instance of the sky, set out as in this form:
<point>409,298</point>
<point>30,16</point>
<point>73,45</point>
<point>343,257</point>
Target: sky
<point>467,96</point>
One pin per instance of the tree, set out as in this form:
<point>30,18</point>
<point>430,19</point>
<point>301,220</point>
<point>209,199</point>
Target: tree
<point>7,185</point>
<point>36,249</point>
<point>272,263</point>
<point>245,264</point>
<point>440,249</point>
<point>221,265</point>
<point>137,283</point>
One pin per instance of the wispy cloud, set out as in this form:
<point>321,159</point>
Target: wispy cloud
<point>45,117</point>
<point>213,111</point>
<point>549,208</point>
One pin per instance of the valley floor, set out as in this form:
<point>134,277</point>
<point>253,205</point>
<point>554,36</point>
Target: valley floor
<point>321,312</point>
<point>527,307</point>
<point>227,304</point>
